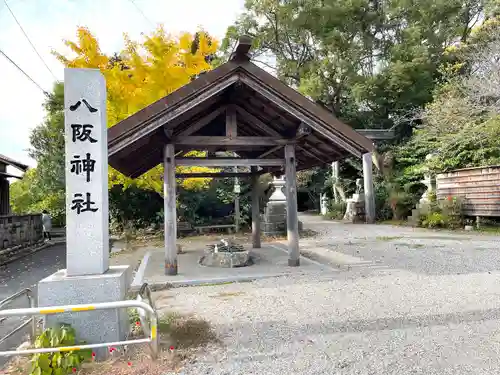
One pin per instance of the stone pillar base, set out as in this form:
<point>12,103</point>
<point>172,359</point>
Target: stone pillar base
<point>355,211</point>
<point>91,326</point>
<point>276,228</point>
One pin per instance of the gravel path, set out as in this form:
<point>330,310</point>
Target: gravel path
<point>386,312</point>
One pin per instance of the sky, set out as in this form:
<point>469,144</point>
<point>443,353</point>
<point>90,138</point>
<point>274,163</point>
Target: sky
<point>49,22</point>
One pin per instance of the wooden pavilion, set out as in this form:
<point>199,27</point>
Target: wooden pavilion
<point>4,182</point>
<point>236,107</point>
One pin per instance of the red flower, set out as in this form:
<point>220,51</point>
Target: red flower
<point>74,369</point>
<point>172,348</point>
<point>129,363</point>
<point>138,323</point>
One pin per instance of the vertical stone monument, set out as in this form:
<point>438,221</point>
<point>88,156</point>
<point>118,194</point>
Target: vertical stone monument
<point>88,278</point>
<point>429,182</point>
<point>273,221</point>
<point>424,204</point>
<point>323,204</point>
<point>355,210</point>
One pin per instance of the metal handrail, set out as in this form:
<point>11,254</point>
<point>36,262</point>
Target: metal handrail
<point>145,289</point>
<point>33,311</point>
<point>31,301</point>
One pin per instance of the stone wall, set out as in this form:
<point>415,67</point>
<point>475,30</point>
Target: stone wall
<point>20,230</point>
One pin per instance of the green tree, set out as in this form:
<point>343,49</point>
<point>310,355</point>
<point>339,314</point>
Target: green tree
<point>47,142</point>
<point>461,126</point>
<point>42,188</point>
<point>372,63</point>
<point>367,61</point>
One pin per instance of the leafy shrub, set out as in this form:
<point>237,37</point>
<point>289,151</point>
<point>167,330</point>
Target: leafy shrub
<point>391,202</point>
<point>336,211</point>
<point>452,208</point>
<point>58,363</point>
<point>401,204</point>
<point>435,220</point>
<point>382,208</point>
<point>445,213</point>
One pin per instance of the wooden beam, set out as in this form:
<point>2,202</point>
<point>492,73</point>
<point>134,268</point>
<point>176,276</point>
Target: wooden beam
<point>268,152</point>
<point>216,174</point>
<point>170,115</point>
<point>170,214</point>
<point>228,162</point>
<point>237,141</point>
<point>255,210</point>
<point>331,134</point>
<point>193,128</point>
<point>377,134</point>
<point>231,124</point>
<point>292,220</point>
<point>256,122</point>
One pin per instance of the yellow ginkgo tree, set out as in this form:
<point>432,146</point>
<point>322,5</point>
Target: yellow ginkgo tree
<point>139,75</point>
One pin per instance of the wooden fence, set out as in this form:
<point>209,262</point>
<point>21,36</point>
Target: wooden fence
<point>479,188</point>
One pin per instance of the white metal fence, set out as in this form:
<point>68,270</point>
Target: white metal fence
<point>147,313</point>
<point>31,302</point>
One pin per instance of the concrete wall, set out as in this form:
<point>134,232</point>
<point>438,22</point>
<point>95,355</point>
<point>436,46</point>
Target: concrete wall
<point>478,187</point>
<point>21,230</point>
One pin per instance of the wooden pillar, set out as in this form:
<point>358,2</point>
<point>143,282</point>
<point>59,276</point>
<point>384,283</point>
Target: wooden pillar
<point>368,187</point>
<point>232,132</point>
<point>4,196</point>
<point>255,209</point>
<point>170,214</point>
<point>292,220</point>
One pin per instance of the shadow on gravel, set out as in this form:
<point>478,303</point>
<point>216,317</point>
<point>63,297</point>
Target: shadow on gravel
<point>276,328</point>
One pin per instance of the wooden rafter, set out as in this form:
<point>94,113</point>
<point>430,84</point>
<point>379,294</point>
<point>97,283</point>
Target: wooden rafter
<point>255,121</point>
<point>193,128</point>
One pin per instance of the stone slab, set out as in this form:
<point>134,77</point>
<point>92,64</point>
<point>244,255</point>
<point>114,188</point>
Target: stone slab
<point>269,261</point>
<point>91,326</point>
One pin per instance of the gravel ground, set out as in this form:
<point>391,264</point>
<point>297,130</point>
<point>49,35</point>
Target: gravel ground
<point>389,309</point>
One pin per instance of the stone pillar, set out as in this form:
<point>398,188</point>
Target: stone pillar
<point>255,210</point>
<point>335,177</point>
<point>368,188</point>
<point>274,219</point>
<point>292,221</point>
<point>88,278</point>
<point>428,181</point>
<point>237,190</point>
<point>323,200</point>
<point>170,210</point>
